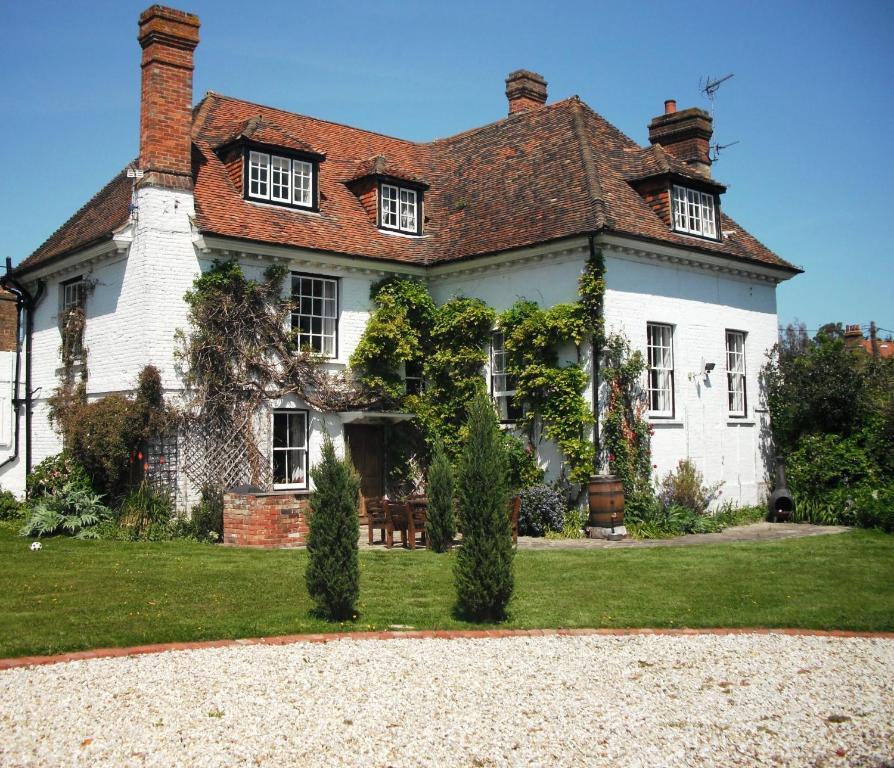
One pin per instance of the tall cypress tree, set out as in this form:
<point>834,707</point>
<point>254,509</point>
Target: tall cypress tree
<point>333,568</point>
<point>440,527</point>
<point>483,572</point>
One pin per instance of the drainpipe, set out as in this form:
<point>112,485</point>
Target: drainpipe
<point>25,303</point>
<point>594,357</point>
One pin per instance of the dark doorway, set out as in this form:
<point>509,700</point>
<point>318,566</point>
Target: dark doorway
<point>366,444</point>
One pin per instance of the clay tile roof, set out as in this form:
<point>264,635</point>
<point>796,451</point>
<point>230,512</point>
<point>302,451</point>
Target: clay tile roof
<point>549,173</point>
<point>382,166</point>
<point>96,220</point>
<point>266,132</point>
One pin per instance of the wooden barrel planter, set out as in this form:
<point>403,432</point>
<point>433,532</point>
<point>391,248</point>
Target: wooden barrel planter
<point>606,494</point>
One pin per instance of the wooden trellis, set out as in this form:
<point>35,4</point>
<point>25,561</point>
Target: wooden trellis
<point>223,455</point>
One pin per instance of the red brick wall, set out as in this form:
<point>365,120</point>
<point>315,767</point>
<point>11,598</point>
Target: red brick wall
<point>367,192</point>
<point>657,195</point>
<point>168,39</point>
<point>7,322</point>
<point>265,519</point>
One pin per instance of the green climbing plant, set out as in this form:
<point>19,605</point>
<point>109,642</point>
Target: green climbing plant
<point>626,431</point>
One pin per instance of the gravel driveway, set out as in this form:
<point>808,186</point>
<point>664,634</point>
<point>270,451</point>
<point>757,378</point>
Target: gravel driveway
<point>636,700</point>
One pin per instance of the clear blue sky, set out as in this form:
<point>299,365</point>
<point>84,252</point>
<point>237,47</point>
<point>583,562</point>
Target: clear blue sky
<point>810,104</point>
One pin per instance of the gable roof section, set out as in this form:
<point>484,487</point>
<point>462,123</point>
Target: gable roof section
<point>544,174</point>
<point>95,221</point>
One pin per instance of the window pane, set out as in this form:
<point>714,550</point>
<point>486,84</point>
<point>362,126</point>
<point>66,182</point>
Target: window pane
<point>258,185</point>
<point>280,178</point>
<point>280,473</point>
<point>303,182</point>
<point>280,430</point>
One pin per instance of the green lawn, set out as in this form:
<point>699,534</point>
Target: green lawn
<point>80,594</point>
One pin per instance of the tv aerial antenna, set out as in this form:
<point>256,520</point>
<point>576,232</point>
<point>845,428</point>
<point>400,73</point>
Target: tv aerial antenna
<point>709,86</point>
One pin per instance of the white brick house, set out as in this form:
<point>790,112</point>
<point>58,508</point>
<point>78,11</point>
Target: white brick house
<point>505,211</point>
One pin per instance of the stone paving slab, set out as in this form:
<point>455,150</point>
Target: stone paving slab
<point>762,531</point>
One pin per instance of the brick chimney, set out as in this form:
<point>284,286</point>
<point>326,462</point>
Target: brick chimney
<point>685,134</point>
<point>168,38</point>
<point>853,337</point>
<point>525,90</point>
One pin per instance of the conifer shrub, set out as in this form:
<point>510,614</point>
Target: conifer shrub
<point>333,569</point>
<point>483,572</point>
<point>440,527</point>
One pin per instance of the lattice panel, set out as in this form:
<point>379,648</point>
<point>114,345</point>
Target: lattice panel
<point>213,455</point>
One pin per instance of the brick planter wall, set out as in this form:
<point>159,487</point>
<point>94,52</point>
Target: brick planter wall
<point>265,519</point>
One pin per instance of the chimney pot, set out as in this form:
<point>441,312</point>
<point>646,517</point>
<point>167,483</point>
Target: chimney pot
<point>168,38</point>
<point>670,106</point>
<point>525,90</point>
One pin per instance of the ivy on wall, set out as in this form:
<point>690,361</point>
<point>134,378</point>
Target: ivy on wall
<point>551,394</point>
<point>445,345</point>
<point>449,345</point>
<point>626,431</point>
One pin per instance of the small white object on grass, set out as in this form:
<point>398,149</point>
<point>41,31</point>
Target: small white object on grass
<point>35,545</point>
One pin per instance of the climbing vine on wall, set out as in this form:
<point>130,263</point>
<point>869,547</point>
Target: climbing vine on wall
<point>625,427</point>
<point>551,393</point>
<point>445,346</point>
<point>238,355</point>
<point>449,345</point>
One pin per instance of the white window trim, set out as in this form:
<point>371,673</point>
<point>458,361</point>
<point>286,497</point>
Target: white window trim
<point>74,293</point>
<point>335,318</point>
<point>665,413</point>
<point>694,212</point>
<point>740,374</point>
<point>259,161</point>
<point>306,448</point>
<point>264,161</point>
<point>412,202</point>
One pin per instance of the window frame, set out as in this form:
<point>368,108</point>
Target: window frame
<point>303,486</point>
<point>655,413</point>
<point>80,302</point>
<point>400,188</point>
<point>81,299</point>
<point>293,159</point>
<point>692,221</point>
<point>509,411</point>
<point>411,369</point>
<point>337,299</point>
<point>742,375</point>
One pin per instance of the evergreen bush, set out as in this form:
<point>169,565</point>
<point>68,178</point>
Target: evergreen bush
<point>10,507</point>
<point>207,515</point>
<point>483,572</point>
<point>333,569</point>
<point>440,527</point>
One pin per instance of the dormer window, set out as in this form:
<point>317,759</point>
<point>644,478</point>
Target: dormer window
<point>694,212</point>
<point>399,208</point>
<point>281,179</point>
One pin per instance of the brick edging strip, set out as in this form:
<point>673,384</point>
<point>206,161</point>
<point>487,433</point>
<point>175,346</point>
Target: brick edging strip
<point>440,634</point>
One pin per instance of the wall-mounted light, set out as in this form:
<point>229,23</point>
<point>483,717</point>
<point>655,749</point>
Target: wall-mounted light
<point>709,367</point>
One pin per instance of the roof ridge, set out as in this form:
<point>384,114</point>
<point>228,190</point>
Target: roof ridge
<point>507,118</point>
<point>586,152</point>
<point>317,119</point>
